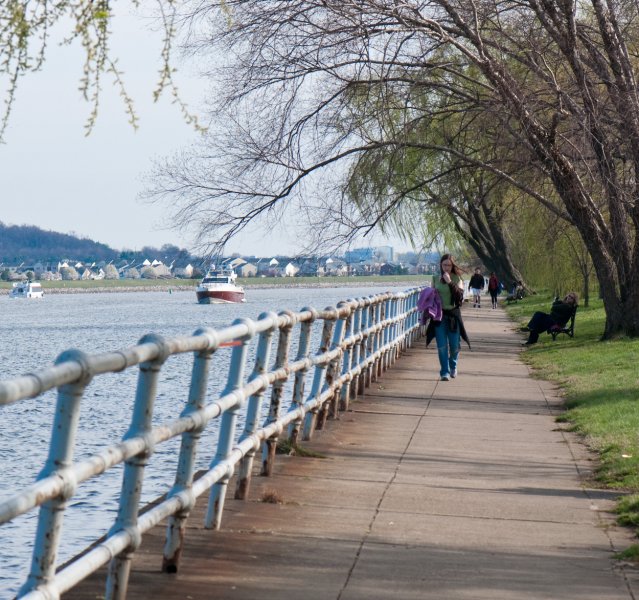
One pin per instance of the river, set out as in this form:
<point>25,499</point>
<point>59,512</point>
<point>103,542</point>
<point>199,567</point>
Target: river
<point>35,332</point>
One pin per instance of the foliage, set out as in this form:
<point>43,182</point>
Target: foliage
<point>110,272</point>
<point>539,95</point>
<point>69,274</point>
<point>26,243</point>
<point>148,273</point>
<point>30,27</point>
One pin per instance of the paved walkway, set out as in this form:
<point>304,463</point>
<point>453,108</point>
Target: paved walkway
<point>465,489</point>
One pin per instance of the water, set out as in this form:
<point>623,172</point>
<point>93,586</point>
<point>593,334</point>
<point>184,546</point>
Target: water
<point>34,333</point>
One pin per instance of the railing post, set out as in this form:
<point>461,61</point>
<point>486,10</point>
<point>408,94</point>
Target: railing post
<point>133,477</point>
<point>269,447</point>
<point>254,407</point>
<point>351,358</point>
<point>61,448</point>
<point>334,369</point>
<point>376,339</point>
<point>215,508</point>
<point>176,526</point>
<point>299,385</point>
<point>364,378</point>
<point>318,376</point>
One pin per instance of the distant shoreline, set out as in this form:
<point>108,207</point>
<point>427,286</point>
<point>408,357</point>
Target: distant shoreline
<point>360,282</point>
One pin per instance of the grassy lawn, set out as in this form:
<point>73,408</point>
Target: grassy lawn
<point>601,385</point>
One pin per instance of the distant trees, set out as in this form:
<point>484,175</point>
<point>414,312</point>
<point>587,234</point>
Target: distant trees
<point>27,243</point>
<point>110,272</point>
<point>69,274</point>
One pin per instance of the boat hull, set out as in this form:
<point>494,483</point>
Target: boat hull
<point>26,291</point>
<point>220,296</point>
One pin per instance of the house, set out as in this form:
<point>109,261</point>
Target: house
<point>234,263</point>
<point>247,270</point>
<point>183,272</point>
<point>290,270</point>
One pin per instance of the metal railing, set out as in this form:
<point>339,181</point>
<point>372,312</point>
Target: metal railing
<point>359,340</point>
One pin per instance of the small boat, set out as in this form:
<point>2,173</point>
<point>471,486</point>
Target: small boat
<point>218,287</point>
<point>26,289</point>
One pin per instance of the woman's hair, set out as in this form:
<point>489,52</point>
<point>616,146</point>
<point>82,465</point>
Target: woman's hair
<point>456,270</point>
<point>572,298</point>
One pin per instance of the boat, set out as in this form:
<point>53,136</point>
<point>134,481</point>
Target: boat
<point>26,289</point>
<point>218,287</point>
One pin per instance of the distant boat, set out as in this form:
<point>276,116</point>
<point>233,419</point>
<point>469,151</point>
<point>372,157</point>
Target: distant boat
<point>218,287</point>
<point>26,289</point>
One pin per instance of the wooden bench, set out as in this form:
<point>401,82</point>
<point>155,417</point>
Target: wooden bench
<point>568,328</point>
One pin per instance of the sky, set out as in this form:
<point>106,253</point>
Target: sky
<point>57,178</point>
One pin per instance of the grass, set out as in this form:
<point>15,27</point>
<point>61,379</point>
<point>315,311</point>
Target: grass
<point>600,381</point>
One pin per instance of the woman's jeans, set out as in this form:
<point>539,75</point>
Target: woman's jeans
<point>447,346</point>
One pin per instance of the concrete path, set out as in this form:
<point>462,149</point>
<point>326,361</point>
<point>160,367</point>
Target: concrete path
<point>465,489</point>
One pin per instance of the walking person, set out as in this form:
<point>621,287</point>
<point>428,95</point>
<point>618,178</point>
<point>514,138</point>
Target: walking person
<point>494,288</point>
<point>476,286</point>
<point>447,332</point>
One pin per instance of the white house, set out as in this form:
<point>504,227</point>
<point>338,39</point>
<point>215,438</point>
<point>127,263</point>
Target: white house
<point>290,270</point>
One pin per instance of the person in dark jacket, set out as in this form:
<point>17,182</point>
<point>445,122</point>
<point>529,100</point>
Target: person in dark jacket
<point>560,313</point>
<point>493,288</point>
<point>476,285</point>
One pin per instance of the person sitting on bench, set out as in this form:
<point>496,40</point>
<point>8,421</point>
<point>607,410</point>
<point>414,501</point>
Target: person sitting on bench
<point>560,313</point>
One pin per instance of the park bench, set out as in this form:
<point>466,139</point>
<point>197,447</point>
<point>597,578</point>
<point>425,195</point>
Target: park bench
<point>568,328</point>
<point>518,294</point>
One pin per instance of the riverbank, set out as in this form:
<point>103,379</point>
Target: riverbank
<point>599,382</point>
<point>181,285</point>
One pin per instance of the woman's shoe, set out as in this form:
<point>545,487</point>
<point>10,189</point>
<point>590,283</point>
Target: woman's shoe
<point>445,378</point>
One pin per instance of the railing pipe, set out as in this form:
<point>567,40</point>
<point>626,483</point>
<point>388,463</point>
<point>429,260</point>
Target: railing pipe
<point>176,526</point>
<point>269,447</point>
<point>215,508</point>
<point>318,376</point>
<point>299,385</point>
<point>133,477</point>
<point>350,359</point>
<point>334,368</point>
<point>254,407</point>
<point>59,461</point>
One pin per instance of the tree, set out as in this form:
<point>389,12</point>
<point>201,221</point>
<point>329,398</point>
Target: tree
<point>148,273</point>
<point>29,28</point>
<point>559,77</point>
<point>110,272</point>
<point>69,274</point>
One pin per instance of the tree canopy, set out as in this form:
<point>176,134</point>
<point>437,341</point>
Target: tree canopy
<point>309,87</point>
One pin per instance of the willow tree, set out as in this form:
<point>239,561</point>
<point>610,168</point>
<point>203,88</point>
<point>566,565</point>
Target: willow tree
<point>28,28</point>
<point>561,74</point>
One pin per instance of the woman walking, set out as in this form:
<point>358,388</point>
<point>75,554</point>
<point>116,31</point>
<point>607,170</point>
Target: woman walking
<point>493,288</point>
<point>447,332</point>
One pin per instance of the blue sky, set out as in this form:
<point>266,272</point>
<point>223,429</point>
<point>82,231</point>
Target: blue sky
<point>55,177</point>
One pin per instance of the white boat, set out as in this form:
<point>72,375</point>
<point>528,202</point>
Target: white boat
<point>26,289</point>
<point>218,287</point>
